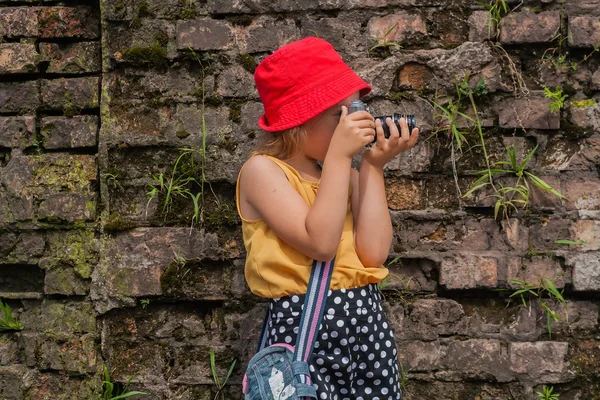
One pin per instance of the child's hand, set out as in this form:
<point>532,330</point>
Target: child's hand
<point>353,132</point>
<point>384,149</point>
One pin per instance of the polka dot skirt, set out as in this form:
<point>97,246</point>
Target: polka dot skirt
<point>355,355</point>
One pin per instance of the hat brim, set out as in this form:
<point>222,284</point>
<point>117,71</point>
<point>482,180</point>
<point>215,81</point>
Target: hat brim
<point>314,101</point>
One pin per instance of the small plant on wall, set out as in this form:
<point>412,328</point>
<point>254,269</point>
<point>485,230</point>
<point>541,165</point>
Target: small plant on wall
<point>384,43</point>
<point>111,391</point>
<point>8,323</point>
<point>219,384</point>
<point>517,195</point>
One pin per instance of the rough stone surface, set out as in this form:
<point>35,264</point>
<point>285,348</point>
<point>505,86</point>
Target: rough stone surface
<point>116,131</point>
<point>480,28</point>
<point>17,132</point>
<point>408,28</point>
<point>64,133</point>
<point>541,362</point>
<point>584,31</point>
<point>526,27</point>
<point>586,270</point>
<point>19,97</point>
<point>17,58</point>
<point>70,95</point>
<point>530,113</point>
<point>203,34</point>
<point>16,22</point>
<point>469,272</point>
<point>68,22</point>
<point>72,58</point>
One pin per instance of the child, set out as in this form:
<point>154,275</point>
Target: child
<point>293,211</point>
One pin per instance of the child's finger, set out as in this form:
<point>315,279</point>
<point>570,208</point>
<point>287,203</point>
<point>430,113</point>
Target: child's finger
<point>379,132</point>
<point>344,112</point>
<point>392,128</point>
<point>360,115</point>
<point>404,133</point>
<point>414,136</point>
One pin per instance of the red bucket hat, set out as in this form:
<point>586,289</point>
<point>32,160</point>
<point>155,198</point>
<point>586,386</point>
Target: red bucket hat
<point>301,80</point>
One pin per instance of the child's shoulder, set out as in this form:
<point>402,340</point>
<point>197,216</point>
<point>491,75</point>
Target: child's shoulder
<point>261,167</point>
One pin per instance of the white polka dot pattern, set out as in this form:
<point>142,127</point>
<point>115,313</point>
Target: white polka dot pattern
<point>355,354</point>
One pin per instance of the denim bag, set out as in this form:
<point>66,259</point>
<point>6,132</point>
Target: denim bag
<point>280,371</point>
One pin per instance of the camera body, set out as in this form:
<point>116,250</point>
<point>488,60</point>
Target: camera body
<point>358,105</point>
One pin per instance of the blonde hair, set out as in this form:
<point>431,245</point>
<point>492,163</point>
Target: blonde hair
<point>283,144</point>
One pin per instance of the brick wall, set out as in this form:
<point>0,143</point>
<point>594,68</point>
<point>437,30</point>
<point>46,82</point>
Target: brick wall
<point>102,108</point>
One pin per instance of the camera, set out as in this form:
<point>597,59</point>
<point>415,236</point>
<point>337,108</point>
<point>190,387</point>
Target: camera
<point>358,105</point>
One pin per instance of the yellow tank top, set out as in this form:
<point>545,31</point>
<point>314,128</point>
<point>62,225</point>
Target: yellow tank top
<point>275,269</point>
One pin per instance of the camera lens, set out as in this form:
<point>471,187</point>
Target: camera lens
<point>410,121</point>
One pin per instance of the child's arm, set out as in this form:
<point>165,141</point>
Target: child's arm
<point>313,230</point>
<point>372,222</point>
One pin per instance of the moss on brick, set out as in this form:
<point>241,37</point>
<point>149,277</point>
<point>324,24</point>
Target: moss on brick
<point>153,55</point>
<point>248,62</point>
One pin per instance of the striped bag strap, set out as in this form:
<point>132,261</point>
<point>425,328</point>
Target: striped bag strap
<point>312,314</point>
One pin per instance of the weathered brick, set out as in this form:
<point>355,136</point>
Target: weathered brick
<point>270,35</point>
<point>132,265</point>
<point>18,58</point>
<point>493,318</point>
<point>69,207</point>
<point>541,198</point>
<point>595,84</point>
<point>546,230</point>
<point>54,386</point>
<point>334,31</point>
<point>410,28</point>
<point>266,6</point>
<point>414,76</point>
<point>204,34</point>
<point>532,112</point>
<point>584,31</point>
<point>48,174</point>
<point>17,132</point>
<point>414,274</point>
<point>13,381</point>
<point>236,82</point>
<point>491,362</point>
<point>575,316</point>
<point>534,270</point>
<point>527,27</point>
<point>585,116</point>
<point>60,317</point>
<point>540,362</point>
<point>418,356</point>
<point>71,58</point>
<point>64,132</point>
<point>403,194</point>
<point>15,209</point>
<point>250,113</point>
<point>559,154</point>
<point>473,58</point>
<point>578,7</point>
<point>417,159</point>
<point>587,231</point>
<point>65,281</point>
<point>47,351</point>
<point>586,270</point>
<point>71,95</point>
<point>479,27</point>
<point>68,22</point>
<point>21,97</point>
<point>583,193</point>
<point>9,350</point>
<point>431,318</point>
<point>18,22</point>
<point>468,271</point>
